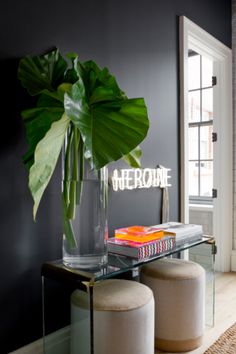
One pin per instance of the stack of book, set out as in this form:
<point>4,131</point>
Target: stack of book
<point>140,242</point>
<point>143,242</point>
<point>183,232</point>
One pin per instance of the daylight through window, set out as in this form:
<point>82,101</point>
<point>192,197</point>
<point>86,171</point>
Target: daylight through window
<point>200,118</point>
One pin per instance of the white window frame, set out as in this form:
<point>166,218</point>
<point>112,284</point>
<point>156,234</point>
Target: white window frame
<point>194,37</point>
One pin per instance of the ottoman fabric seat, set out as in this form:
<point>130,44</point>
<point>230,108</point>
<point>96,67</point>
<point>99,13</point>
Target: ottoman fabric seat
<point>123,318</point>
<point>179,292</point>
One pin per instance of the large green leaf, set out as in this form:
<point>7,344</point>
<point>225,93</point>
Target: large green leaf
<point>109,129</point>
<point>42,72</point>
<point>100,84</point>
<point>46,156</point>
<point>76,71</point>
<point>38,121</point>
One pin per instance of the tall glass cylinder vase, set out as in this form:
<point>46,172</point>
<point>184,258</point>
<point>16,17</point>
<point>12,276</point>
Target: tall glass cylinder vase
<point>86,232</point>
<point>89,224</point>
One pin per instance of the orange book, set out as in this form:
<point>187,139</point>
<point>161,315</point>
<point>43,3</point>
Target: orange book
<point>139,234</point>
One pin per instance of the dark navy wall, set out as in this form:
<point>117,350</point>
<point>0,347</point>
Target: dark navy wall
<point>138,41</point>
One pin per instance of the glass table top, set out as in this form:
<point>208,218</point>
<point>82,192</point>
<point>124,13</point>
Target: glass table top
<point>117,264</point>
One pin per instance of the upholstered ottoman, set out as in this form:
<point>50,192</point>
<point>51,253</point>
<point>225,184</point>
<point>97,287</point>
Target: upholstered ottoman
<point>179,292</point>
<point>123,318</point>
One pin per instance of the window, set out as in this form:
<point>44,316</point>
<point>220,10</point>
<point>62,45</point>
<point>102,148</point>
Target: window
<point>200,125</point>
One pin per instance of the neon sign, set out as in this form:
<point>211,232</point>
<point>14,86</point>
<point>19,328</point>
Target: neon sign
<point>140,178</point>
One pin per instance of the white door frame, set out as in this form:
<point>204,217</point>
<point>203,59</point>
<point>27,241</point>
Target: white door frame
<point>194,37</point>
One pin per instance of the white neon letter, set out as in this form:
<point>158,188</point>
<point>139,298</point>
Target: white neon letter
<point>137,178</point>
<point>115,180</point>
<point>128,185</point>
<point>147,182</point>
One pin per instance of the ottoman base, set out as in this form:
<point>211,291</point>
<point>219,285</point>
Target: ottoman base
<point>176,346</point>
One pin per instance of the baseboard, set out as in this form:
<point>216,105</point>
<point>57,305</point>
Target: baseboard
<point>233,261</point>
<point>32,348</point>
<point>56,343</point>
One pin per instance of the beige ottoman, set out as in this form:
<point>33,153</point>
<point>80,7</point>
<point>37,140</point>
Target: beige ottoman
<point>123,319</point>
<point>179,292</point>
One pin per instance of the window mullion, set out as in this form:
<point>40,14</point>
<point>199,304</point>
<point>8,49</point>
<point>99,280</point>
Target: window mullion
<point>203,123</point>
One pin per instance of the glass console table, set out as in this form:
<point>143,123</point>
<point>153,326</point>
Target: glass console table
<point>59,282</point>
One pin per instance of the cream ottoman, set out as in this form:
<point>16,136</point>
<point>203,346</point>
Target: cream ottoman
<point>179,292</point>
<point>123,319</point>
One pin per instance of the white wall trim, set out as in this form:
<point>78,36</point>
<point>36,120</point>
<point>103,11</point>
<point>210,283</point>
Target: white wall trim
<point>197,39</point>
<point>233,261</point>
<point>32,348</point>
<point>57,342</point>
<point>183,50</point>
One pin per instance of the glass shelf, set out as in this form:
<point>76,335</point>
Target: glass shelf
<point>117,264</point>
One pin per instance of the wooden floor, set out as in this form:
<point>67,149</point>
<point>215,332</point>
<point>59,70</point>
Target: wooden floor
<point>225,310</point>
